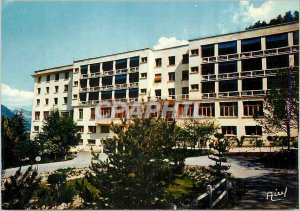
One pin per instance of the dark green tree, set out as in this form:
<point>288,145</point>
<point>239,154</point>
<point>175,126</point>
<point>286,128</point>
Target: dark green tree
<point>19,189</point>
<point>137,175</point>
<point>59,134</point>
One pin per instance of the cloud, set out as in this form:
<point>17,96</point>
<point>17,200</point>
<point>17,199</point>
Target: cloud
<point>16,98</point>
<point>248,13</point>
<point>165,42</point>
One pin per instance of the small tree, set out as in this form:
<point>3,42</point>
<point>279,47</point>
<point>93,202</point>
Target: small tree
<point>59,134</point>
<point>19,189</point>
<point>220,147</point>
<point>136,176</point>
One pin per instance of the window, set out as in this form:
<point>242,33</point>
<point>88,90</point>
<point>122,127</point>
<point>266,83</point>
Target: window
<point>107,95</point>
<point>56,89</point>
<point>228,86</point>
<point>47,90</point>
<point>76,70</point>
<point>277,41</point>
<point>158,93</point>
<point>38,101</point>
<point>106,81</point>
<point>36,128</point>
<point>121,79</point>
<point>172,76</point>
<point>92,129</point>
<point>48,78</point>
<point>208,87</point>
<point>228,109</point>
<point>92,113</point>
<point>46,101</point>
<point>208,69</point>
<point>253,44</point>
<point>134,61</point>
<point>106,112</point>
<point>65,100</point>
<point>81,129</point>
<point>56,77</point>
<point>66,88</point>
<point>55,101</point>
<point>39,91</point>
<point>143,91</point>
<point>108,66</point>
<point>227,48</point>
<point>172,93</point>
<point>91,142</point>
<point>143,75</point>
<point>144,60</point>
<point>253,130</point>
<point>171,60</point>
<point>253,108</point>
<point>83,69</point>
<point>228,67</point>
<point>37,115</point>
<point>104,129</point>
<point>185,90</point>
<point>158,62</point>
<point>208,50</point>
<point>75,83</point>
<point>207,109</point>
<point>39,79</point>
<point>75,97</point>
<point>194,69</point>
<point>296,38</point>
<point>228,130</point>
<point>194,52</point>
<point>80,142</point>
<point>81,113</point>
<point>95,68</point>
<point>46,114</point>
<point>66,75</point>
<point>157,78</point>
<point>194,87</point>
<point>278,61</point>
<point>120,94</point>
<point>185,75</point>
<point>185,58</point>
<point>296,59</point>
<point>121,64</point>
<point>251,64</point>
<point>252,84</point>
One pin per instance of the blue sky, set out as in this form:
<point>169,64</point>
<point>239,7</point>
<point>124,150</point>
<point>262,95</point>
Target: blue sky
<point>38,35</point>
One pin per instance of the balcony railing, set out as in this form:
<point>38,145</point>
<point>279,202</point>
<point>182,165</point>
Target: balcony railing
<point>240,75</point>
<point>120,86</point>
<point>251,54</point>
<point>110,73</point>
<point>133,85</point>
<point>247,93</point>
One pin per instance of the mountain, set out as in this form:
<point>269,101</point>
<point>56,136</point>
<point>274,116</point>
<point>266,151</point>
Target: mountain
<point>9,113</point>
<point>6,111</point>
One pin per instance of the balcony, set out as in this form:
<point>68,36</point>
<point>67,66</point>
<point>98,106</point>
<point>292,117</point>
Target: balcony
<point>120,86</point>
<point>133,85</point>
<point>248,93</point>
<point>251,54</point>
<point>121,71</point>
<point>111,73</point>
<point>227,76</point>
<point>134,69</point>
<point>106,88</point>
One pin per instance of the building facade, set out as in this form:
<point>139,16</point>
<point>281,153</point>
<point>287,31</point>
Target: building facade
<point>227,74</point>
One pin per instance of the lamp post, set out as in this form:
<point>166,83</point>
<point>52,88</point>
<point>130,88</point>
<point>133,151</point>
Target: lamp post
<point>37,159</point>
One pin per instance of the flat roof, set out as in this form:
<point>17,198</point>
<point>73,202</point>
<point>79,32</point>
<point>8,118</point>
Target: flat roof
<point>59,68</point>
<point>237,32</point>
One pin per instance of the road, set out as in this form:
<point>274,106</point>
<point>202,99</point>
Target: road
<point>83,159</point>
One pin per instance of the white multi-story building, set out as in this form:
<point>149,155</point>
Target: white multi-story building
<point>227,74</point>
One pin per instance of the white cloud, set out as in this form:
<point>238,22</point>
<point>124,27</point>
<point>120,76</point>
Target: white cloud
<point>248,13</point>
<point>165,42</point>
<point>15,98</point>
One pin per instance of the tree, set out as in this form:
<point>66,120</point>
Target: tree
<point>259,143</point>
<point>19,189</point>
<point>59,134</point>
<point>199,133</point>
<point>275,117</point>
<point>221,147</point>
<point>136,176</point>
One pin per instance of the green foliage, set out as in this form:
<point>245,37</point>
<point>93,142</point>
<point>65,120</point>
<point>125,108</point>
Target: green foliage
<point>221,147</point>
<point>259,143</point>
<point>198,133</point>
<point>16,147</point>
<point>59,134</point>
<point>19,189</point>
<point>288,17</point>
<point>137,176</point>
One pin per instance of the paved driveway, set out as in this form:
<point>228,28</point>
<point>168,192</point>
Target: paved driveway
<point>83,159</point>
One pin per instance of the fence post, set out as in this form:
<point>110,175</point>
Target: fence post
<point>209,190</point>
